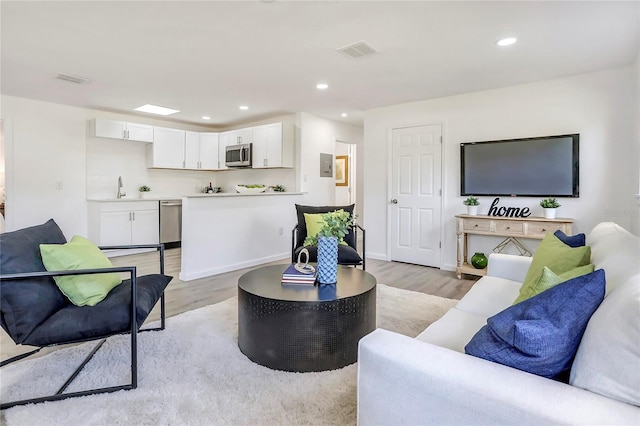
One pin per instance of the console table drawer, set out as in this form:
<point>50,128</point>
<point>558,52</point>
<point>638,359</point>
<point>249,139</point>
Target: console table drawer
<point>542,228</point>
<point>477,225</point>
<point>515,228</point>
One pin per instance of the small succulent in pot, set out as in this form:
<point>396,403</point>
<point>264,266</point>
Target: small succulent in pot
<point>549,203</point>
<point>144,188</point>
<point>278,188</point>
<point>471,201</point>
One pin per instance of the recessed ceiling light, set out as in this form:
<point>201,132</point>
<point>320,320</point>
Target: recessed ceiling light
<point>506,41</point>
<point>344,114</point>
<point>206,117</point>
<point>153,109</point>
<point>322,86</point>
<point>244,107</point>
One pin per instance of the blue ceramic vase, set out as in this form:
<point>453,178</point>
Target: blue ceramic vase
<point>327,260</point>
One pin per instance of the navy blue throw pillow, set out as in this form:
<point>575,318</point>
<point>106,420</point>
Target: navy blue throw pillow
<point>578,240</point>
<point>541,335</point>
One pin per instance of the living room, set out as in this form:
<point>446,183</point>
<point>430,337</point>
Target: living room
<point>47,142</point>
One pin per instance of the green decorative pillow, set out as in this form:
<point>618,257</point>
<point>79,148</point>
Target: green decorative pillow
<point>549,279</point>
<point>80,253</point>
<point>557,256</point>
<point>314,223</point>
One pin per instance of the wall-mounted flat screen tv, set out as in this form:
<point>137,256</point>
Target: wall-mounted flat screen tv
<point>529,167</point>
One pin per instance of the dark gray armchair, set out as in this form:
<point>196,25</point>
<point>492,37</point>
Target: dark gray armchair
<point>36,313</point>
<point>347,254</point>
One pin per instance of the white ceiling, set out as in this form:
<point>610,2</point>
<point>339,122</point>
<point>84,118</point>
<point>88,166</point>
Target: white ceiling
<point>209,57</point>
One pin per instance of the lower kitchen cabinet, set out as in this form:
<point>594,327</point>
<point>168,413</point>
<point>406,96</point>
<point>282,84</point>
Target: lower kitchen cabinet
<point>124,222</point>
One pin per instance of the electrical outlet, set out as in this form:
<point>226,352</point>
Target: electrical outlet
<point>59,185</point>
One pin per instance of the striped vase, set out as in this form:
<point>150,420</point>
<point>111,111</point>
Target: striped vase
<point>327,260</point>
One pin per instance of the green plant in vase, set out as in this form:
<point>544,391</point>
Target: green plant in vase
<point>472,204</point>
<point>549,206</point>
<point>333,230</point>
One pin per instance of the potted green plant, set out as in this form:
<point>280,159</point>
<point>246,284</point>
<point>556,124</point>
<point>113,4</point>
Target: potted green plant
<point>549,206</point>
<point>336,225</point>
<point>144,191</point>
<point>472,204</point>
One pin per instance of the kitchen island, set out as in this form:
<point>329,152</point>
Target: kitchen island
<point>225,231</point>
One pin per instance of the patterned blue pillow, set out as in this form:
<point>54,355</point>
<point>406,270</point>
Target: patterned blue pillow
<point>541,335</point>
<point>578,240</point>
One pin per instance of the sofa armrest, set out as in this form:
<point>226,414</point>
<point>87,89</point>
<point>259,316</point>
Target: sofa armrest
<point>404,381</point>
<point>508,266</point>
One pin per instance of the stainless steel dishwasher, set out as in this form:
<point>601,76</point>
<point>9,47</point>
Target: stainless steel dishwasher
<point>171,223</point>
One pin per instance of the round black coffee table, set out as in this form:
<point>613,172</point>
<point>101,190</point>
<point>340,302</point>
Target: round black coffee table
<point>304,328</point>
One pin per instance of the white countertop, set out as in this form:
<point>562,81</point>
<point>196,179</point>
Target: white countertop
<point>175,197</point>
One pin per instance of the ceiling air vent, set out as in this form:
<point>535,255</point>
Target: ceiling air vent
<point>358,50</point>
<point>72,78</point>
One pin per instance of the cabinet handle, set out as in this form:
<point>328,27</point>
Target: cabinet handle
<point>134,215</point>
<point>476,225</point>
<point>543,230</point>
<point>508,227</point>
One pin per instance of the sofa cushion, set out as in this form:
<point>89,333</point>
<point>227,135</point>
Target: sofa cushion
<point>489,295</point>
<point>453,330</point>
<point>541,335</point>
<point>550,279</point>
<point>28,302</point>
<point>314,223</point>
<point>577,240</point>
<point>615,250</point>
<point>302,227</point>
<point>557,256</point>
<point>80,253</point>
<point>607,361</point>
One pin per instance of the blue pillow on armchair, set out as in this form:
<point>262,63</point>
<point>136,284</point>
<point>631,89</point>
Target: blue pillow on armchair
<point>541,335</point>
<point>578,240</point>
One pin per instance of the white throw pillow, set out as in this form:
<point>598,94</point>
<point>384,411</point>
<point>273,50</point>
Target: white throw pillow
<point>608,358</point>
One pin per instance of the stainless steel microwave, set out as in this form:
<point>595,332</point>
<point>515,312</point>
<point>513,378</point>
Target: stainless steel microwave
<point>238,155</point>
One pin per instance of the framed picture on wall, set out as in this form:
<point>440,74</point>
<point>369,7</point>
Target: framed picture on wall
<point>342,170</point>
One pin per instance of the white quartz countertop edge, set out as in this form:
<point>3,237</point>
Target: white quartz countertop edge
<point>176,197</point>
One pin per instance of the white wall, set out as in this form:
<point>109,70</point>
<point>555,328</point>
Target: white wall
<point>599,106</point>
<point>636,223</point>
<point>318,135</point>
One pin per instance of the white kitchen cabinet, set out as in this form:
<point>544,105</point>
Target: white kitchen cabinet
<point>122,130</point>
<point>201,151</point>
<point>167,149</point>
<point>272,146</point>
<point>124,222</point>
<point>209,151</point>
<point>240,136</point>
<point>222,150</point>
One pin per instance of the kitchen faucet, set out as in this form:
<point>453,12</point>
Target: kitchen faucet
<point>121,192</point>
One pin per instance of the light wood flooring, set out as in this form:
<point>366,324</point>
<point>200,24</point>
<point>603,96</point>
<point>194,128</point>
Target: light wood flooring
<point>183,296</point>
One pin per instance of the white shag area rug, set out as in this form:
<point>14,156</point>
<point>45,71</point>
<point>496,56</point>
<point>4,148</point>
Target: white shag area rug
<point>193,373</point>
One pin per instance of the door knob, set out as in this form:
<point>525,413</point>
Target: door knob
<point>394,201</point>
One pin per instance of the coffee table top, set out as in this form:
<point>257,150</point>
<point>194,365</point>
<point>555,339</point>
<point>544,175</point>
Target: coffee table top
<point>266,282</point>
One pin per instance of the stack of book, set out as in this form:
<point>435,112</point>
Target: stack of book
<point>294,277</point>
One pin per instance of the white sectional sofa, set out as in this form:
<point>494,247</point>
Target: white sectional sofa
<point>429,380</point>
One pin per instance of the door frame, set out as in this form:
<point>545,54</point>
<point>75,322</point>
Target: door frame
<point>390,186</point>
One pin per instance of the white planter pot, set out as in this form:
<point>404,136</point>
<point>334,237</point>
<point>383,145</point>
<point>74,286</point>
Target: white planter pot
<point>144,195</point>
<point>549,213</point>
<point>472,210</point>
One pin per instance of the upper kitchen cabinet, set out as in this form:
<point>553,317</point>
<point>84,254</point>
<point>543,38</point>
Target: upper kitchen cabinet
<point>122,130</point>
<point>272,146</point>
<point>222,150</point>
<point>240,136</point>
<point>201,151</point>
<point>167,150</point>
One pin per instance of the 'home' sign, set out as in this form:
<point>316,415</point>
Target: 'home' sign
<point>508,211</point>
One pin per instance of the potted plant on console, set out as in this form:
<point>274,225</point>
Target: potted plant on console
<point>144,191</point>
<point>472,204</point>
<point>336,225</point>
<point>549,206</point>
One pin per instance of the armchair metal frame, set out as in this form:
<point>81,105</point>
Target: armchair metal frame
<point>59,395</point>
<point>355,227</point>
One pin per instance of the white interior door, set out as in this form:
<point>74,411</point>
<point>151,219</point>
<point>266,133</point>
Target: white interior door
<point>416,193</point>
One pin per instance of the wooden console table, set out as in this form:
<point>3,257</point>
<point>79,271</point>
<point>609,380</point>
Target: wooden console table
<point>515,227</point>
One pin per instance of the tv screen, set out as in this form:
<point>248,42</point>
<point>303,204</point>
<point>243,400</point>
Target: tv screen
<point>531,167</point>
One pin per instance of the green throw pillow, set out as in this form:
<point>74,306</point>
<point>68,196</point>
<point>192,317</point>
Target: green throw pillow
<point>557,256</point>
<point>549,279</point>
<point>80,253</point>
<point>314,222</point>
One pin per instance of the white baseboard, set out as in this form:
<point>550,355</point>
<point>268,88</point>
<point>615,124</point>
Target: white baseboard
<point>376,256</point>
<point>234,267</point>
